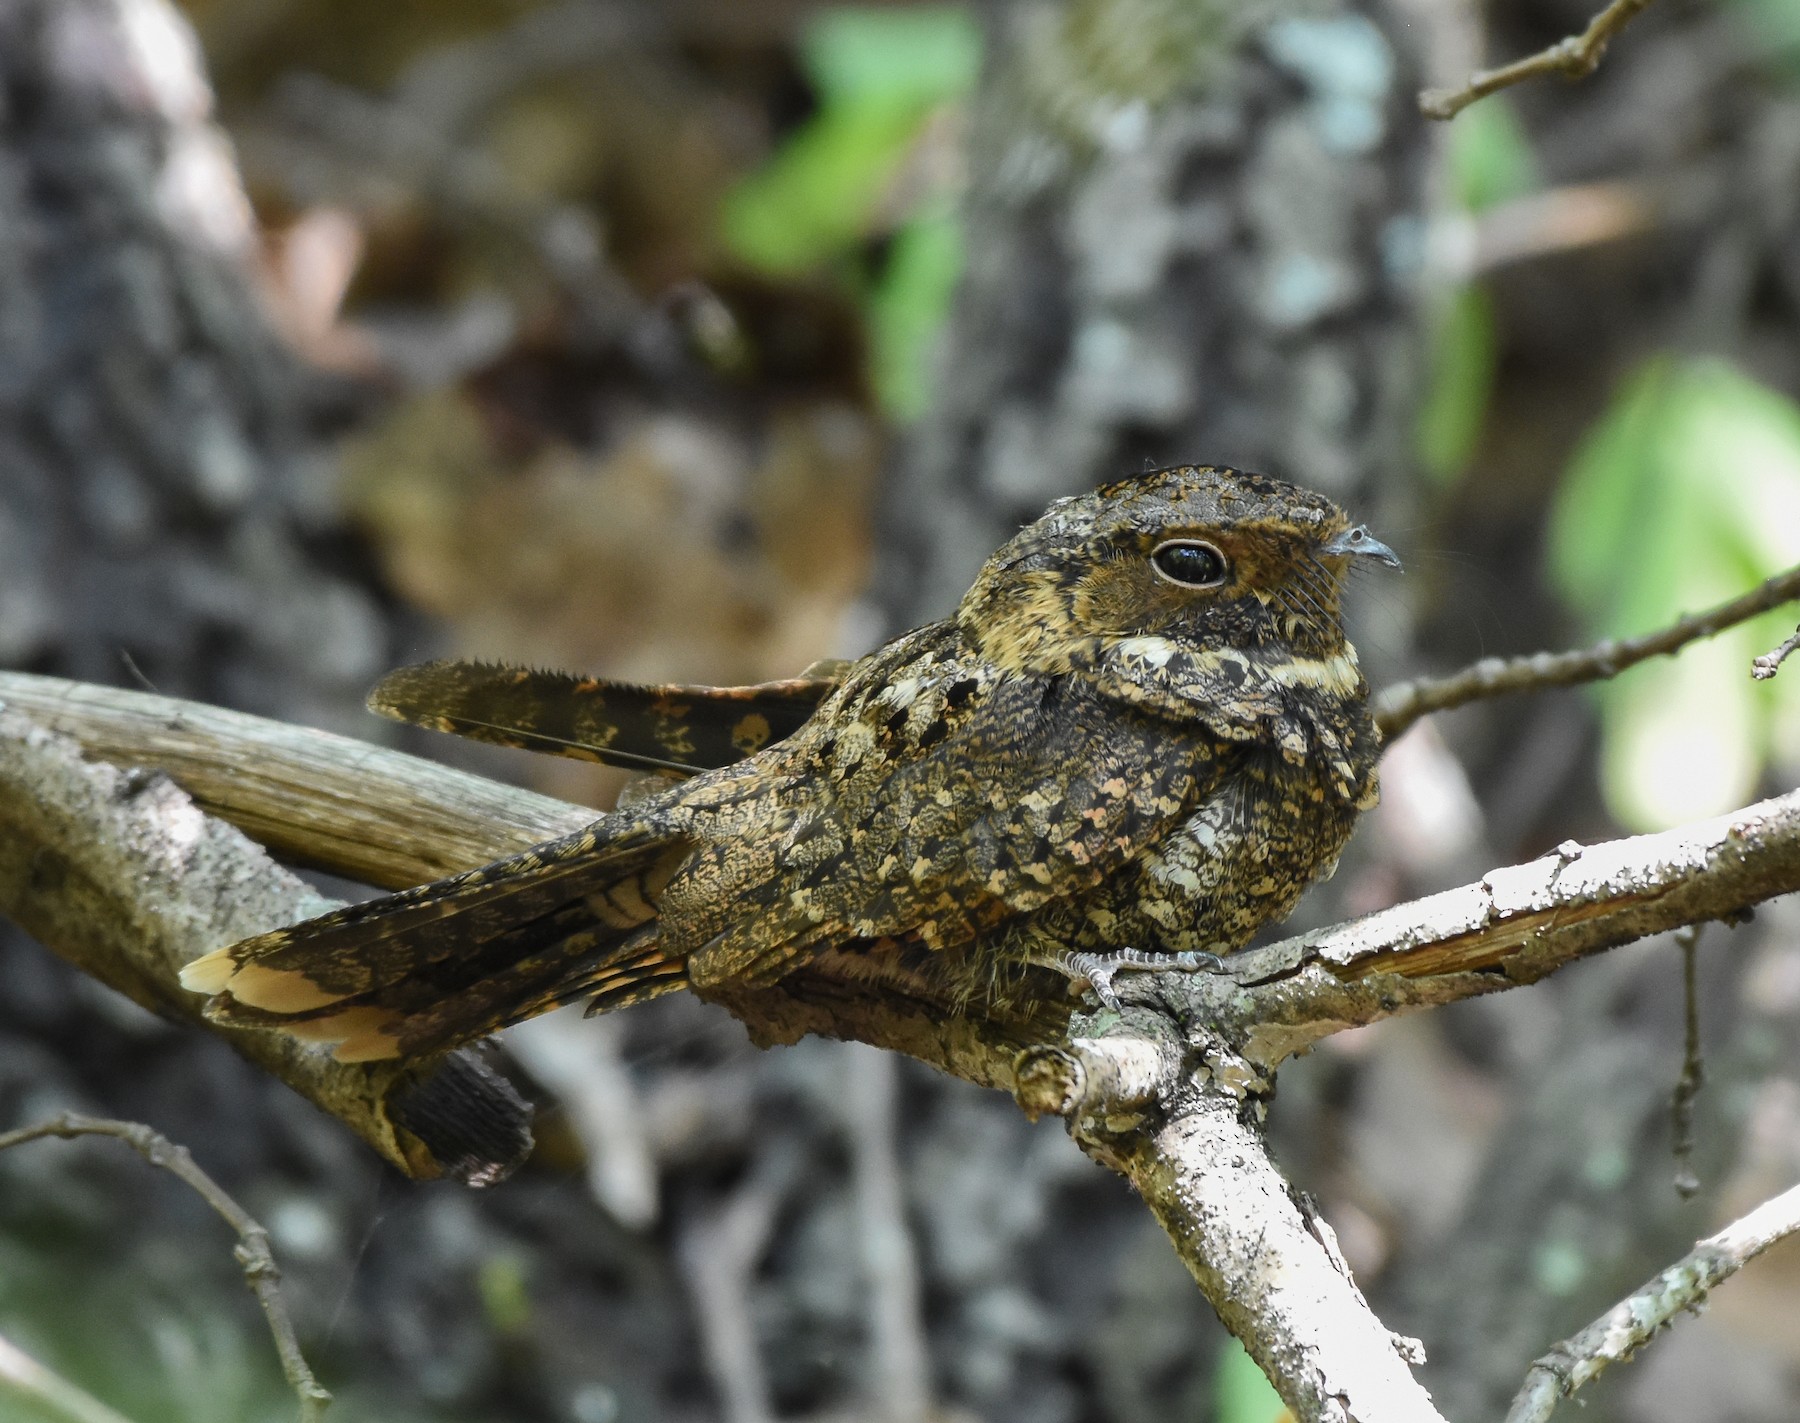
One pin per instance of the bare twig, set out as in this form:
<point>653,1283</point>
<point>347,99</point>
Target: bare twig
<point>1635,1320</point>
<point>1399,706</point>
<point>1693,1066</point>
<point>252,1251</point>
<point>902,1360</point>
<point>1573,58</point>
<point>43,1394</point>
<point>719,1254</point>
<point>1764,667</point>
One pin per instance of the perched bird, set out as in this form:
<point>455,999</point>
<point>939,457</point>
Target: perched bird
<point>1141,735</point>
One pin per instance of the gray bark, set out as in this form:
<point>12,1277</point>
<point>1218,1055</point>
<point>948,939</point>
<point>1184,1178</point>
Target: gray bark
<point>1191,238</point>
<point>162,497</point>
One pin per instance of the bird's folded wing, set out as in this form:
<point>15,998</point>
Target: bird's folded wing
<point>643,727</point>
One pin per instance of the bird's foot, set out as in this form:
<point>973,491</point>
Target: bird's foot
<point>1095,972</point>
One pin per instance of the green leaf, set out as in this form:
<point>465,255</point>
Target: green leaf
<point>907,308</point>
<point>1686,493</point>
<point>883,76</point>
<point>918,56</point>
<point>817,197</point>
<point>880,76</point>
<point>1240,1391</point>
<point>1490,156</point>
<point>1464,352</point>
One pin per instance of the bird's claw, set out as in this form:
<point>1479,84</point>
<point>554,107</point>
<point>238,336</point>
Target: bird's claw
<point>1095,972</point>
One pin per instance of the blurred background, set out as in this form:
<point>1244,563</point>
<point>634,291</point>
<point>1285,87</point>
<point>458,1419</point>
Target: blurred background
<point>667,339</point>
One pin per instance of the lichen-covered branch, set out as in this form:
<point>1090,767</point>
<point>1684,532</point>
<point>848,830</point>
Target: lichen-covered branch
<point>1399,706</point>
<point>1629,1325</point>
<point>253,1251</point>
<point>1574,58</point>
<point>122,874</point>
<point>1179,1120</point>
<point>1166,1092</point>
<point>1207,1177</point>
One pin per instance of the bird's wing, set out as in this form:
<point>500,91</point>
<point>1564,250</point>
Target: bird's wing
<point>949,806</point>
<point>645,727</point>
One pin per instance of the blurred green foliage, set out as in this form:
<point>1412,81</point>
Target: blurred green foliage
<point>1490,161</point>
<point>1774,30</point>
<point>1241,1393</point>
<point>505,1294</point>
<point>1685,493</point>
<point>852,175</point>
<point>1490,157</point>
<point>1463,354</point>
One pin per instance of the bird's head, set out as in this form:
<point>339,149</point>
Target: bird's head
<point>1185,583</point>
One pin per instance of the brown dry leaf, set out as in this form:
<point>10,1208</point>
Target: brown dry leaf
<point>682,552</point>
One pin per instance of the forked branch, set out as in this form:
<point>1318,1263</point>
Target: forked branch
<point>253,1252</point>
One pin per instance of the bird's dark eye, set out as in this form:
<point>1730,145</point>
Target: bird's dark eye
<point>1190,563</point>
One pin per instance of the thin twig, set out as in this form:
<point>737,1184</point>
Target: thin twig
<point>252,1251</point>
<point>902,1370</point>
<point>1399,706</point>
<point>1629,1325</point>
<point>719,1253</point>
<point>47,1395</point>
<point>1764,667</point>
<point>1693,1067</point>
<point>1574,58</point>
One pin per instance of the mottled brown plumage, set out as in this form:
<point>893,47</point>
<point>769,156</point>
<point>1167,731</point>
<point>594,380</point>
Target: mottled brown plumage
<point>1142,730</point>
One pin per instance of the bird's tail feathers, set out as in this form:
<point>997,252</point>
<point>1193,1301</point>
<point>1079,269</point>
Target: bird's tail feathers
<point>421,972</point>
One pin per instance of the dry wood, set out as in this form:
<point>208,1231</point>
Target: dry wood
<point>316,799</point>
<point>121,873</point>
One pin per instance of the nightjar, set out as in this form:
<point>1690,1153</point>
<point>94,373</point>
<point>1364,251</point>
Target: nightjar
<point>1141,734</point>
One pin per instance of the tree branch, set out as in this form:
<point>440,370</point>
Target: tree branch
<point>1574,58</point>
<point>1190,1141</point>
<point>121,874</point>
<point>253,1252</point>
<point>1629,1325</point>
<point>316,799</point>
<point>1399,706</point>
<point>1167,1092</point>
